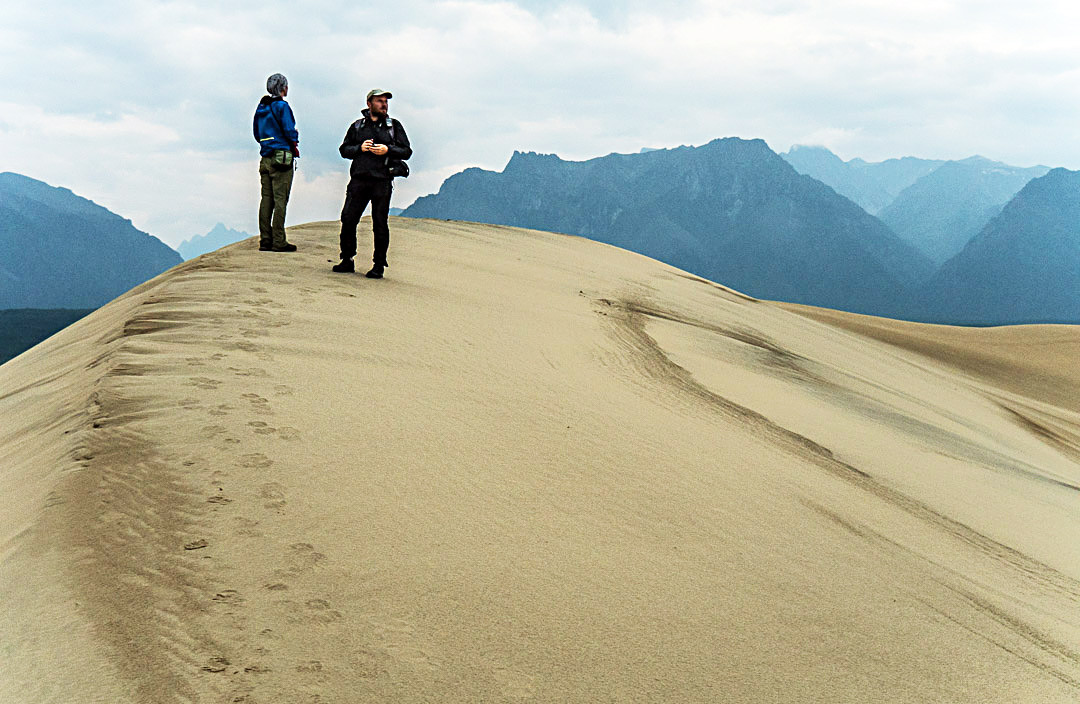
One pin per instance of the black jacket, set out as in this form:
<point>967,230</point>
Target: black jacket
<point>366,164</point>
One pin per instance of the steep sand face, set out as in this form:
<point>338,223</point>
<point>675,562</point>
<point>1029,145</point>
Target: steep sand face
<point>527,466</point>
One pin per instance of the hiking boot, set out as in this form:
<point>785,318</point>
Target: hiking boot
<point>287,247</point>
<point>375,273</point>
<point>345,267</point>
<point>264,247</point>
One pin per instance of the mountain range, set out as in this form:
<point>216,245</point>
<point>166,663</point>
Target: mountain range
<point>732,211</point>
<point>59,250</point>
<point>873,185</point>
<point>736,212</point>
<point>218,237</point>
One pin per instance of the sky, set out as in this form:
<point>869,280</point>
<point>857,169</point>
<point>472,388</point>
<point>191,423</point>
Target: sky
<point>145,107</point>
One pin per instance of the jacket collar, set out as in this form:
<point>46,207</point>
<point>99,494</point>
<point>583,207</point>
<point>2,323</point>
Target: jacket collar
<point>367,116</point>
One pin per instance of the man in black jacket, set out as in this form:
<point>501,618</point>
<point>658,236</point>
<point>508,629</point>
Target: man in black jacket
<point>375,143</point>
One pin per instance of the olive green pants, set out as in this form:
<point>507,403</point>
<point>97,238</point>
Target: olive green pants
<point>275,196</point>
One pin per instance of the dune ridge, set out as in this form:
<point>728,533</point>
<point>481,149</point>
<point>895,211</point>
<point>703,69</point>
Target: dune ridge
<point>529,466</point>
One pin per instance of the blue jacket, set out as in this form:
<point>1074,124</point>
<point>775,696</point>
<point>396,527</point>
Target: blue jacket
<point>274,125</point>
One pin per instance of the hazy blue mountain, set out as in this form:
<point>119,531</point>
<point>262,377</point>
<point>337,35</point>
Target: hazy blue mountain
<point>732,211</point>
<point>1023,267</point>
<point>58,250</point>
<point>873,185</point>
<point>943,210</point>
<point>22,328</point>
<point>396,211</point>
<point>217,238</point>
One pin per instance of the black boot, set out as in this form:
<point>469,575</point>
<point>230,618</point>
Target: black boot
<point>375,273</point>
<point>345,267</point>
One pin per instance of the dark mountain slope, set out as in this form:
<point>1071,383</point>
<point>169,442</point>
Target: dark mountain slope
<point>58,250</point>
<point>1023,267</point>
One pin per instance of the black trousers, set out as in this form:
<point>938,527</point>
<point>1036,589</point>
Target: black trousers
<point>359,193</point>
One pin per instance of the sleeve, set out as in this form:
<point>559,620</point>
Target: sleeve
<point>255,126</point>
<point>288,123</point>
<point>350,146</point>
<point>400,149</point>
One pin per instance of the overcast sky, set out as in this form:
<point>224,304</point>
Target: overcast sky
<point>145,107</point>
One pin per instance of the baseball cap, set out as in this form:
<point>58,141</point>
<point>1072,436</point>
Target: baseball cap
<point>378,91</point>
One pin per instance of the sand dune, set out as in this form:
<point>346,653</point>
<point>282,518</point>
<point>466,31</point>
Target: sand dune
<point>531,467</point>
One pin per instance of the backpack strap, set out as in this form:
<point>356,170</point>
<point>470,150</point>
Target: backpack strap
<point>359,125</point>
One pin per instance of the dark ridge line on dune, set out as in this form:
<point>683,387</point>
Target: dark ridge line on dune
<point>1013,624</point>
<point>663,370</point>
<point>1048,435</point>
<point>720,287</point>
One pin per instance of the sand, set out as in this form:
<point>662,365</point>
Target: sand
<point>527,466</point>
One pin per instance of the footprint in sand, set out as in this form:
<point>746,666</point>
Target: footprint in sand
<point>311,611</point>
<point>274,495</point>
<point>247,527</point>
<point>288,433</point>
<point>213,430</point>
<point>249,372</point>
<point>284,390</point>
<point>255,460</point>
<point>300,558</point>
<point>203,382</point>
<point>261,428</point>
<point>228,596</point>
<point>319,611</point>
<point>218,477</point>
<point>246,346</point>
<point>259,404</point>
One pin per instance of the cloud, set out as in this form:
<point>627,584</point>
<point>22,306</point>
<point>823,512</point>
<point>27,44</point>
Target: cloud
<point>162,94</point>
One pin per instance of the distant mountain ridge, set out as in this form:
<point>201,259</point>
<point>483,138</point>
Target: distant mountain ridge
<point>731,210</point>
<point>219,236</point>
<point>944,209</point>
<point>873,185</point>
<point>59,250</point>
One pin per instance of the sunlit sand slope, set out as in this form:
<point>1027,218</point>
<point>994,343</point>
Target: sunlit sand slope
<point>528,466</point>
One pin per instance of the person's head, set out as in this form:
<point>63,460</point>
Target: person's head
<point>277,85</point>
<point>378,102</point>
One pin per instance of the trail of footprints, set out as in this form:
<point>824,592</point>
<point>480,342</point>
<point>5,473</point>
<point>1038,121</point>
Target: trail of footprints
<point>290,589</point>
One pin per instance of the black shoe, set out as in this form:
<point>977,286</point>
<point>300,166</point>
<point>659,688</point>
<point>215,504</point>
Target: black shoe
<point>284,248</point>
<point>264,247</point>
<point>345,267</point>
<point>375,273</point>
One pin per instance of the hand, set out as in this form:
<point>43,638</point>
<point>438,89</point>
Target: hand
<point>379,149</point>
<point>367,145</point>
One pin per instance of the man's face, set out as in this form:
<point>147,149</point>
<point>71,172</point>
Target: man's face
<point>378,105</point>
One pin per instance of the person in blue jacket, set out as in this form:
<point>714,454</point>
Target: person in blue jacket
<point>275,131</point>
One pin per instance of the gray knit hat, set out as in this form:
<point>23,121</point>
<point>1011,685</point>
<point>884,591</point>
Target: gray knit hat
<point>275,84</point>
